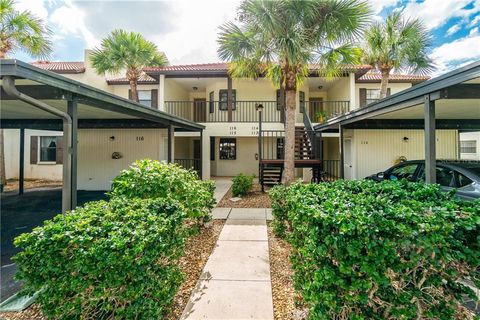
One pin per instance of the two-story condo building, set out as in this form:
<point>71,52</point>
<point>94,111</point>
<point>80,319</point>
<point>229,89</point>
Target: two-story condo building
<point>236,141</point>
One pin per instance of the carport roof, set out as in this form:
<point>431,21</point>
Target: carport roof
<point>457,96</point>
<point>96,108</point>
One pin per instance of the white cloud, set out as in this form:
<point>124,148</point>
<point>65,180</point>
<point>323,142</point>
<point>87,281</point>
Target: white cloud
<point>70,20</point>
<point>453,29</point>
<point>450,55</point>
<point>35,7</point>
<point>193,38</point>
<point>435,13</point>
<point>378,5</point>
<point>473,32</point>
<point>475,21</point>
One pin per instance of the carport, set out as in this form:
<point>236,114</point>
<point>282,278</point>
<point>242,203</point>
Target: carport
<point>32,98</point>
<point>450,101</point>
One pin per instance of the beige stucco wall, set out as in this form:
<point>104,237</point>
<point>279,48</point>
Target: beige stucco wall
<point>96,168</point>
<point>377,150</point>
<point>340,91</point>
<point>245,162</point>
<point>47,171</point>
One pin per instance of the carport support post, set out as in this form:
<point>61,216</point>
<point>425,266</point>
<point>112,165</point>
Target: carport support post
<point>72,112</point>
<point>21,173</point>
<point>430,140</point>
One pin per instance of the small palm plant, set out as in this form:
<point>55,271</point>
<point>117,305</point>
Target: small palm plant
<point>397,44</point>
<point>129,52</point>
<point>20,31</point>
<point>279,39</point>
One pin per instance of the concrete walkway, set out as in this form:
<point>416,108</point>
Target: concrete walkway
<point>222,184</point>
<point>235,283</point>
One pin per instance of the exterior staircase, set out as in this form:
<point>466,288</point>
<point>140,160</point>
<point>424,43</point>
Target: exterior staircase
<point>303,145</point>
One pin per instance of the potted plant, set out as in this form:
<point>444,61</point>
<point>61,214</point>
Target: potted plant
<point>321,116</point>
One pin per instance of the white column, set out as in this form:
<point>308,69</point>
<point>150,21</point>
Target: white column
<point>353,96</point>
<point>205,155</point>
<point>161,93</point>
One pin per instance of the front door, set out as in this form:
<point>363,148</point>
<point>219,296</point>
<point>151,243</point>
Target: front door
<point>199,110</point>
<point>347,168</point>
<point>197,154</point>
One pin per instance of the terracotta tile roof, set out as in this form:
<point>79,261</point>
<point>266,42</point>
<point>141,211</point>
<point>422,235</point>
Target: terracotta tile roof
<point>61,66</point>
<point>373,76</point>
<point>222,67</point>
<point>144,79</point>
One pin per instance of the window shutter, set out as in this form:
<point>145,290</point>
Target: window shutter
<point>388,92</point>
<point>59,150</point>
<point>33,150</point>
<point>363,97</point>
<point>130,94</point>
<point>155,98</point>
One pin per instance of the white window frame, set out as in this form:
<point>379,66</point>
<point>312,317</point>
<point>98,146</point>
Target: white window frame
<point>371,100</point>
<point>39,148</point>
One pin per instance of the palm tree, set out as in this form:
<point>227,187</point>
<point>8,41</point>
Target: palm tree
<point>397,44</point>
<point>129,52</point>
<point>20,31</point>
<point>279,39</point>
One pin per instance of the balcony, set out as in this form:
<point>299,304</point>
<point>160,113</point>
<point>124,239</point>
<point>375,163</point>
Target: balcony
<point>244,111</point>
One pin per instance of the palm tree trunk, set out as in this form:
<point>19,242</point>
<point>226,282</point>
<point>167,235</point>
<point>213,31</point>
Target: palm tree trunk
<point>3,176</point>
<point>133,88</point>
<point>384,83</point>
<point>289,169</point>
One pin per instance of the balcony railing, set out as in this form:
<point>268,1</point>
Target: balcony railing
<point>216,111</point>
<point>330,170</point>
<point>194,164</point>
<point>320,111</point>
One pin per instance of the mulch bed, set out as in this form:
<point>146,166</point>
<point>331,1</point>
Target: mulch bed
<point>197,251</point>
<point>12,184</point>
<point>284,296</point>
<point>254,199</point>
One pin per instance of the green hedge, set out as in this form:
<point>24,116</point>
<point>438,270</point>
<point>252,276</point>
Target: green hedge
<point>154,179</point>
<point>367,250</point>
<point>242,184</point>
<point>116,259</point>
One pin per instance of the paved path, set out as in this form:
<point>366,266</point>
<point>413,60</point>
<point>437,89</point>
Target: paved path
<point>222,184</point>
<point>235,283</point>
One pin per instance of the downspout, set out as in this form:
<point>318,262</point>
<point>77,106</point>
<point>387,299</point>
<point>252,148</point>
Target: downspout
<point>8,84</point>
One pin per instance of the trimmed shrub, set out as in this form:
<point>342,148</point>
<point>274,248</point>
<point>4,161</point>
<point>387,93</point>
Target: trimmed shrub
<point>390,250</point>
<point>242,184</point>
<point>116,259</point>
<point>158,180</point>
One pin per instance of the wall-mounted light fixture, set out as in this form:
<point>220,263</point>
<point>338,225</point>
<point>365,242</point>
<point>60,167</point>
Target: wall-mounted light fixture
<point>405,139</point>
<point>112,138</point>
<point>195,88</point>
<point>320,87</point>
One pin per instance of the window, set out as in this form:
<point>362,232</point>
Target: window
<point>462,181</point>
<point>301,96</point>
<point>223,99</point>
<point>281,100</point>
<point>468,146</point>
<point>373,95</point>
<point>228,149</point>
<point>280,148</point>
<point>406,171</point>
<point>445,176</point>
<point>48,149</point>
<point>211,103</point>
<point>145,97</point>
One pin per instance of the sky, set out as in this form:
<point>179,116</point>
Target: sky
<point>186,30</point>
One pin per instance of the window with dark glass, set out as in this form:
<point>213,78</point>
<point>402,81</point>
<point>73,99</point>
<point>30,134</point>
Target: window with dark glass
<point>228,149</point>
<point>211,103</point>
<point>372,95</point>
<point>280,148</point>
<point>406,171</point>
<point>301,96</point>
<point>281,100</point>
<point>223,99</point>
<point>48,149</point>
<point>468,146</point>
<point>145,97</point>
